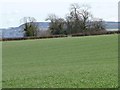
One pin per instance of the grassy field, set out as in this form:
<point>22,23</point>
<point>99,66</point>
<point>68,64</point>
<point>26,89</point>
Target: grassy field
<point>74,62</point>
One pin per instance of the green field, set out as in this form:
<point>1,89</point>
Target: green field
<point>73,62</point>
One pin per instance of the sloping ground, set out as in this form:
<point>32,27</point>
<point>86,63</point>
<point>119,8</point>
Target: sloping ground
<point>84,62</point>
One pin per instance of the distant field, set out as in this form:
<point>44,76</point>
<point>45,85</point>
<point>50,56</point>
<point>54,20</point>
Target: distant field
<point>79,62</point>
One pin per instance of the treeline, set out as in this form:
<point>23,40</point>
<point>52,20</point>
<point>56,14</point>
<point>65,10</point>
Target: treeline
<point>62,36</point>
<point>78,20</point>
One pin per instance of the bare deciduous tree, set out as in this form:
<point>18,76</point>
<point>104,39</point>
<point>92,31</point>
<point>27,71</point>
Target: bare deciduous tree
<point>30,28</point>
<point>56,25</point>
<point>98,25</point>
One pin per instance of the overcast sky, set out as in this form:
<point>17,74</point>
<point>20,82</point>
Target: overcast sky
<point>11,11</point>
